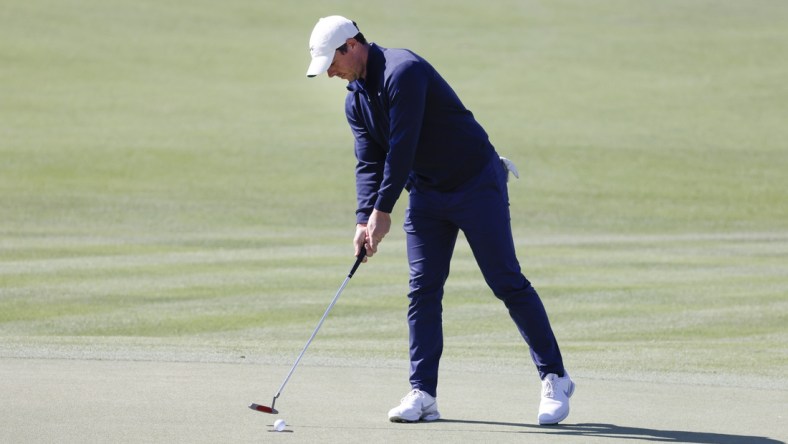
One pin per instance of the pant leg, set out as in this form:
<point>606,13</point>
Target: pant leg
<point>430,242</point>
<point>486,222</point>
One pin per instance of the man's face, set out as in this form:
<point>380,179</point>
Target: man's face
<point>349,66</point>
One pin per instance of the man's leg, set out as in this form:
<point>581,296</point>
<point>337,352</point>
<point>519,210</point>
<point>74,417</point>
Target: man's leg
<point>430,242</point>
<point>485,220</point>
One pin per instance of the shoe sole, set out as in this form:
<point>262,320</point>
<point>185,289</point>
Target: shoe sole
<point>555,422</point>
<point>426,418</point>
<point>402,420</point>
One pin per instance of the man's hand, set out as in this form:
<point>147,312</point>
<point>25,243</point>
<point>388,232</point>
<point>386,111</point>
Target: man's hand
<point>360,240</point>
<point>378,227</point>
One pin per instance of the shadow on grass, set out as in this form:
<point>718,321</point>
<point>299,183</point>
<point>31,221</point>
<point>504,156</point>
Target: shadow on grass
<point>632,433</point>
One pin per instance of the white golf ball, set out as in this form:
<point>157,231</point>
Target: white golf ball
<point>279,425</point>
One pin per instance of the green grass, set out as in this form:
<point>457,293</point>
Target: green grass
<point>170,180</point>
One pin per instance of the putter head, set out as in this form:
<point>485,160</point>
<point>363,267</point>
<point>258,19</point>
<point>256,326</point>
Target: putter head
<point>264,409</point>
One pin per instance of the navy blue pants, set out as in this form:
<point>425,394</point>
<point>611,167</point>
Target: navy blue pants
<point>480,208</point>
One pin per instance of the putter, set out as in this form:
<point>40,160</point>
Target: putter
<point>271,409</point>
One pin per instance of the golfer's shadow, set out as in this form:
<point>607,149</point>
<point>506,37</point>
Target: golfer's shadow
<point>631,433</point>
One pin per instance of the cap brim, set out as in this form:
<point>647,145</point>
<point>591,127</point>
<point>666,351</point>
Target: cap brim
<point>319,65</point>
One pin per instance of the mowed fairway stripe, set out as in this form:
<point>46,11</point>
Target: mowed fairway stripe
<point>116,259</point>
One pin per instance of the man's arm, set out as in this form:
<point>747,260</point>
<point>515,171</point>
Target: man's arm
<point>371,225</point>
<point>407,92</point>
<point>370,158</point>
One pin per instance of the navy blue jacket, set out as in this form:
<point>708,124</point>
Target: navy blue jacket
<point>409,126</point>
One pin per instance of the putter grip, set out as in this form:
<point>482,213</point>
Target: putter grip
<point>361,255</point>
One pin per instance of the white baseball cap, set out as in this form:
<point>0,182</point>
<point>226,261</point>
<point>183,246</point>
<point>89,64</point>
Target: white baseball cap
<point>329,34</point>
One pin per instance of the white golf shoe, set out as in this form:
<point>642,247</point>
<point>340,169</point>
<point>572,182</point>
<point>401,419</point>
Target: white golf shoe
<point>415,406</point>
<point>556,392</point>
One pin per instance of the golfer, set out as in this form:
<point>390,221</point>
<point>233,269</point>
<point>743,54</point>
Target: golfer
<point>412,132</point>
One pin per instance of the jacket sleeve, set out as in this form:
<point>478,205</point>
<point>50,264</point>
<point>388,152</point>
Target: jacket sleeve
<point>370,157</point>
<point>407,92</point>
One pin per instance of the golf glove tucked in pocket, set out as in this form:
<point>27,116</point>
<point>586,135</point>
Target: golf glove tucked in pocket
<point>510,167</point>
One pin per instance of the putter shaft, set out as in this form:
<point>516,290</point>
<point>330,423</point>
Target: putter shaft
<point>265,409</point>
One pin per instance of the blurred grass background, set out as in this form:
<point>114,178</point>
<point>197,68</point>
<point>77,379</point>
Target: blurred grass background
<point>173,187</point>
